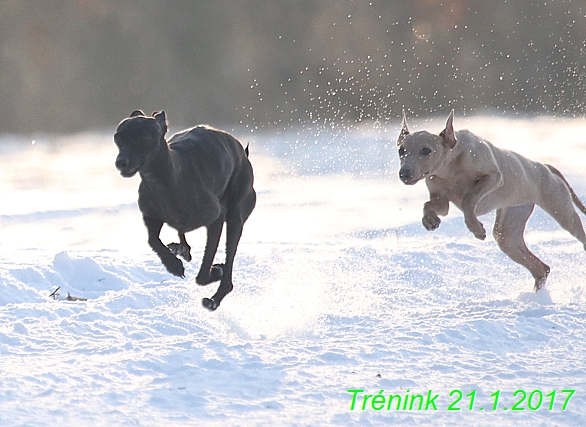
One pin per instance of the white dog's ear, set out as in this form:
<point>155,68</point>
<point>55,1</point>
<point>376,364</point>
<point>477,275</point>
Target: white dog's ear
<point>448,133</point>
<point>161,119</point>
<point>404,130</point>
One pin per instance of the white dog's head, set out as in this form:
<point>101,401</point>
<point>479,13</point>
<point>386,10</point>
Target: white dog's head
<point>422,153</point>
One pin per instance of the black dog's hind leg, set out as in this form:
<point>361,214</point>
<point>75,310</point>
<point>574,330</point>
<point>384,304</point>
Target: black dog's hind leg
<point>181,249</point>
<point>209,273</point>
<point>170,261</point>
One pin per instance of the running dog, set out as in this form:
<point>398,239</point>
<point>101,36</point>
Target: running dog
<point>201,178</point>
<point>477,177</point>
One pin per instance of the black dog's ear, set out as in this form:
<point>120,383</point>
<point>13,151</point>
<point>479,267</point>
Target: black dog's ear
<point>161,119</point>
<point>404,130</point>
<point>136,113</point>
<point>448,133</point>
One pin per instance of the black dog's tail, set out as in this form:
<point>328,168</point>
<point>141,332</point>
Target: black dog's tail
<point>246,150</point>
<point>575,198</point>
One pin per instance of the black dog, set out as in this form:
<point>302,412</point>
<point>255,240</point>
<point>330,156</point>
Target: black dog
<point>201,178</point>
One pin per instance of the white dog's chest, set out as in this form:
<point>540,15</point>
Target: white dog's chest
<point>455,190</point>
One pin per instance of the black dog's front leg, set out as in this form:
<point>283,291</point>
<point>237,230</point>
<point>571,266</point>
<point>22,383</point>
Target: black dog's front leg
<point>209,273</point>
<point>170,261</point>
<point>233,233</point>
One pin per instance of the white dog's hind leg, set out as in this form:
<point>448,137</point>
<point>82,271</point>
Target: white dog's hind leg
<point>558,203</point>
<point>508,232</point>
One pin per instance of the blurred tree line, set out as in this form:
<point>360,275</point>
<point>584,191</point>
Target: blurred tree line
<point>69,65</point>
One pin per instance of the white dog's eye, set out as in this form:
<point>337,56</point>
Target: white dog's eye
<point>425,151</point>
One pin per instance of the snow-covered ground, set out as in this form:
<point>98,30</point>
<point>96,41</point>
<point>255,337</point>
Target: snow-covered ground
<point>337,287</point>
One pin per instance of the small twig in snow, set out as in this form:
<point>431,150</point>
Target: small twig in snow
<point>54,294</point>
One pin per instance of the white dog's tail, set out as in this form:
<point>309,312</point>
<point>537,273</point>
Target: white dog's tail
<point>575,198</point>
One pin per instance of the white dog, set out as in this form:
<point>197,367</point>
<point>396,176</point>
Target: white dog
<point>478,177</point>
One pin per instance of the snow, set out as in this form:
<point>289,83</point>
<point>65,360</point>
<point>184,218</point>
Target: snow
<point>337,287</point>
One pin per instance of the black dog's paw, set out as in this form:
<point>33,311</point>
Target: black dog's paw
<point>175,267</point>
<point>217,272</point>
<point>180,250</point>
<point>210,304</point>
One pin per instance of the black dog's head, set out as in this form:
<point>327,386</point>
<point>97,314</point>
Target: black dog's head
<point>138,139</point>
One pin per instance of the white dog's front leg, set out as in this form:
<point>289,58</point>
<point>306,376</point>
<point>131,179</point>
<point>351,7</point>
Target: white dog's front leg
<point>483,185</point>
<point>437,205</point>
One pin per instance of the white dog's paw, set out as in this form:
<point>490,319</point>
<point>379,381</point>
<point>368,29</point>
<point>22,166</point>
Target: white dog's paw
<point>481,235</point>
<point>431,222</point>
<point>476,228</point>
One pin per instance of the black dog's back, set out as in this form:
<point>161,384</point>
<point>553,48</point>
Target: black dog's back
<point>205,141</point>
<point>218,157</point>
